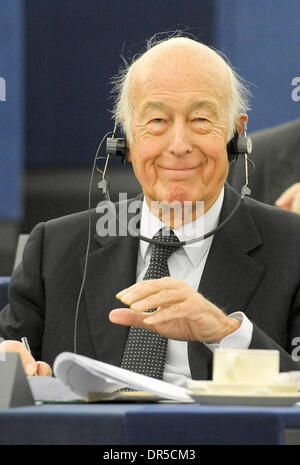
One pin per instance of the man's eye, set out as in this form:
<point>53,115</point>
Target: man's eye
<point>157,126</point>
<point>157,120</point>
<point>201,120</point>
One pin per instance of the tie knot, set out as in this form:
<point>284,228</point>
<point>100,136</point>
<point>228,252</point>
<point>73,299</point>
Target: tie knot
<point>163,252</point>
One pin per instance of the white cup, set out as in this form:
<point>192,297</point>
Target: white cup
<point>256,366</point>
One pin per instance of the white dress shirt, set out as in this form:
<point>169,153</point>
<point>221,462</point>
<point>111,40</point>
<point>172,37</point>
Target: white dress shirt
<point>187,263</point>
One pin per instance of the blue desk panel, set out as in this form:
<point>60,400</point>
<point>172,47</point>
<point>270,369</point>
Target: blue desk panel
<point>64,424</point>
<point>146,424</point>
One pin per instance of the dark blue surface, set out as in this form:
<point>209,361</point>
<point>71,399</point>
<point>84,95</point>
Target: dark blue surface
<point>261,39</point>
<point>64,424</point>
<point>155,424</point>
<point>73,50</point>
<point>12,109</point>
<point>204,426</point>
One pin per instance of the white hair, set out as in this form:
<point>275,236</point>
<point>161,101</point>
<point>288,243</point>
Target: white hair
<point>240,94</point>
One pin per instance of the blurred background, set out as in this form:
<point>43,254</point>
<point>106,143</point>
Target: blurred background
<point>57,58</point>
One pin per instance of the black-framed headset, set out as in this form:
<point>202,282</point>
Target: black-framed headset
<point>237,146</point>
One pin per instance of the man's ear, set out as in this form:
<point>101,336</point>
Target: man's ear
<point>242,117</point>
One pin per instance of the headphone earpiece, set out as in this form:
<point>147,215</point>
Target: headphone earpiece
<point>239,145</point>
<point>116,147</point>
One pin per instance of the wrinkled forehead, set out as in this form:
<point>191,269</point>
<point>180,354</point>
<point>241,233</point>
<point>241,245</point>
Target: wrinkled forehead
<point>180,67</point>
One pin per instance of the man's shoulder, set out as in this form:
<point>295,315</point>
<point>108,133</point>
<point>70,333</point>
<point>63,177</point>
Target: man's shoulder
<point>268,217</point>
<point>73,219</point>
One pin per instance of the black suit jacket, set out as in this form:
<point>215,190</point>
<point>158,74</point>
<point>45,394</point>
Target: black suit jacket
<point>253,266</point>
<point>276,154</point>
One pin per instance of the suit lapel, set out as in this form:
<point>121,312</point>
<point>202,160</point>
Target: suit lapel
<point>230,276</point>
<point>111,268</point>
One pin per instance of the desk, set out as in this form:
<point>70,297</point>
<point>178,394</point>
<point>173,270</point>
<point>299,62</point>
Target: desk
<point>149,424</point>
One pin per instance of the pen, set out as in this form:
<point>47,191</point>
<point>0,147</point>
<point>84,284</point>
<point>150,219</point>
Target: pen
<point>24,341</point>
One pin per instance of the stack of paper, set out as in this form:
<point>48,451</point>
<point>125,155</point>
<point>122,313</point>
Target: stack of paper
<point>83,376</point>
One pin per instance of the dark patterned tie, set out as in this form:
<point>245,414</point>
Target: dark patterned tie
<point>145,350</point>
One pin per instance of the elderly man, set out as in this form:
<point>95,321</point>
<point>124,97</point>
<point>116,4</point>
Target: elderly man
<point>179,104</point>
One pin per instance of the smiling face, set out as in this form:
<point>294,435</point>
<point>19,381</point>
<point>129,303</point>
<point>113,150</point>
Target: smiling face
<point>179,99</point>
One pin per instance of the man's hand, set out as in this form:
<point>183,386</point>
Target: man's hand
<point>182,313</point>
<point>31,367</point>
<point>290,199</point>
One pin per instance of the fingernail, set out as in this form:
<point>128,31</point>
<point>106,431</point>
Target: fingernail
<point>121,293</point>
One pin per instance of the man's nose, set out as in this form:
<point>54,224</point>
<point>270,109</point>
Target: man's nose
<point>180,143</point>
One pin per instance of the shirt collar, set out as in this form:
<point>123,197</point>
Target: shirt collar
<point>151,224</point>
